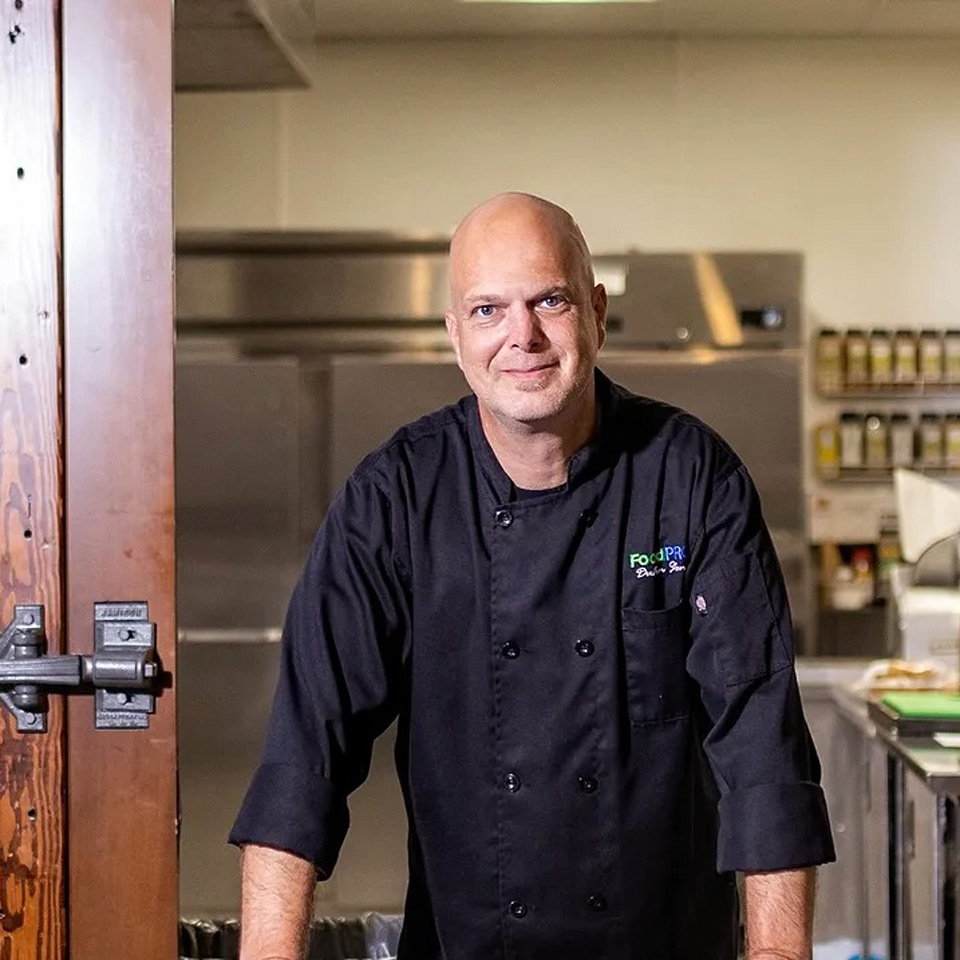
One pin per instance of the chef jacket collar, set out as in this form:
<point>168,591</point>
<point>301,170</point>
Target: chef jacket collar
<point>583,465</point>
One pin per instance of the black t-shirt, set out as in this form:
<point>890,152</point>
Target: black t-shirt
<point>598,713</point>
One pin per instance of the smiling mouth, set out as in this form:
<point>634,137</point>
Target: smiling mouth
<point>530,371</point>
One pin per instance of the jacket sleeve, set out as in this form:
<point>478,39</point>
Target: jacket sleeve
<point>341,657</point>
<point>772,809</point>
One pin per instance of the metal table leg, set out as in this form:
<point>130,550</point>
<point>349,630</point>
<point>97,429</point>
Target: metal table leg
<point>899,938</point>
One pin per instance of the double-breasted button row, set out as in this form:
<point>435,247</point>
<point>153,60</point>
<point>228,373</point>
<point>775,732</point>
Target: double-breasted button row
<point>596,902</point>
<point>512,782</point>
<point>511,649</point>
<point>503,517</point>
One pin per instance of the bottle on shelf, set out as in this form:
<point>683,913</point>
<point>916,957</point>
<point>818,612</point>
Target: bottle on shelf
<point>828,450</point>
<point>881,358</point>
<point>851,441</point>
<point>931,356</point>
<point>829,362</point>
<point>951,444</point>
<point>931,441</point>
<point>902,440</point>
<point>875,441</point>
<point>951,357</point>
<point>905,357</point>
<point>855,353</point>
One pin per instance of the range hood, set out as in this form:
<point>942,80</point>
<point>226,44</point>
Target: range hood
<point>239,44</point>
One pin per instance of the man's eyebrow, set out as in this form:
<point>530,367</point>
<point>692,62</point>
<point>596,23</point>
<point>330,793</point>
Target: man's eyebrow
<point>564,289</point>
<point>474,298</point>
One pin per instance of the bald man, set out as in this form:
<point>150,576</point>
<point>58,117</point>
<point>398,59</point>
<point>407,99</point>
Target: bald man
<point>568,596</point>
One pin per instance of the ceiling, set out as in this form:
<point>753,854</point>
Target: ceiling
<point>402,19</point>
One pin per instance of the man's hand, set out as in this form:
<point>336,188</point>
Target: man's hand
<point>277,898</point>
<point>779,914</point>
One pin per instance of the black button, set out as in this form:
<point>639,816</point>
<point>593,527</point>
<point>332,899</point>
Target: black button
<point>503,517</point>
<point>585,648</point>
<point>510,650</point>
<point>596,902</point>
<point>512,782</point>
<point>518,908</point>
<point>588,517</point>
<point>588,784</point>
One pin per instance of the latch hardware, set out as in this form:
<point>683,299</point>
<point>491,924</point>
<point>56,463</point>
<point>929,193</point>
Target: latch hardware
<point>123,671</point>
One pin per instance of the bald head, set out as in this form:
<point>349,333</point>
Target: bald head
<point>504,221</point>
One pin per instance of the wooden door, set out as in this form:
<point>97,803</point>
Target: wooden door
<point>88,818</point>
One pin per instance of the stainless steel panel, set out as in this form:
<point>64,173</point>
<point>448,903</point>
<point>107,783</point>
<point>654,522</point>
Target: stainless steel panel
<point>699,298</point>
<point>372,397</point>
<point>353,283</point>
<point>238,491</point>
<point>283,288</point>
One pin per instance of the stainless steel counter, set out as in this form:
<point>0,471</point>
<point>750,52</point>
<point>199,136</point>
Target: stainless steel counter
<point>936,765</point>
<point>910,788</point>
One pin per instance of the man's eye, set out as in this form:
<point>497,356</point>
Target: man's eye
<point>551,302</point>
<point>485,311</point>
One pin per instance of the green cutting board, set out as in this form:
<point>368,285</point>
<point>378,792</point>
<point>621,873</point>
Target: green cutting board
<point>924,704</point>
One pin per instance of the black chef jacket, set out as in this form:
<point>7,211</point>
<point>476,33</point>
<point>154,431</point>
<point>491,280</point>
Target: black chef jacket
<point>598,713</point>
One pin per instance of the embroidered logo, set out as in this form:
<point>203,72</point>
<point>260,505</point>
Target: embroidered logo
<point>666,559</point>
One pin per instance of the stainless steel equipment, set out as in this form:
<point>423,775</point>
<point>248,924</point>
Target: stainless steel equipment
<point>305,351</point>
<point>299,353</point>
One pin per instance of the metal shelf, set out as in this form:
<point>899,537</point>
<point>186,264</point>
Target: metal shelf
<point>920,391</point>
<point>885,475</point>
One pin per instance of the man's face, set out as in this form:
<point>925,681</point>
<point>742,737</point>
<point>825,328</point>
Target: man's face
<point>525,323</point>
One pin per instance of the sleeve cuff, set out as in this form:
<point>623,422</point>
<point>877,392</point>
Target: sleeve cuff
<point>293,809</point>
<point>774,826</point>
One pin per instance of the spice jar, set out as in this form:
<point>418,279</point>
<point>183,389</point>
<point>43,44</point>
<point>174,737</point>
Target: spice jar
<point>952,441</point>
<point>881,358</point>
<point>828,451</point>
<point>855,351</point>
<point>851,441</point>
<point>951,356</point>
<point>829,362</point>
<point>875,441</point>
<point>931,356</point>
<point>901,440</point>
<point>931,440</point>
<point>904,357</point>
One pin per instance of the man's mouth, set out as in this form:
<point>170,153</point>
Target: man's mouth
<point>529,372</point>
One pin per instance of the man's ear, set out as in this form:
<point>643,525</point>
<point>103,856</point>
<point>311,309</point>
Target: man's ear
<point>599,303</point>
<point>453,332</point>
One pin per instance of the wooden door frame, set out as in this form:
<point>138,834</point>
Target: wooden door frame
<point>32,871</point>
<point>118,244</point>
<point>86,463</point>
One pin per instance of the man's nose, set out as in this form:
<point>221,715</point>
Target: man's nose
<point>525,330</point>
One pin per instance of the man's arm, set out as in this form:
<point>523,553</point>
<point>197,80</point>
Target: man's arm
<point>779,914</point>
<point>277,900</point>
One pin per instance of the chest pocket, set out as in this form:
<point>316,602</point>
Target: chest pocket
<point>655,648</point>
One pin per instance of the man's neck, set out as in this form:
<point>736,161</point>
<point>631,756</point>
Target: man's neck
<point>535,457</point>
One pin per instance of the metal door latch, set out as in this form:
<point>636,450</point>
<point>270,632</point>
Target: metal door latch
<point>123,671</point>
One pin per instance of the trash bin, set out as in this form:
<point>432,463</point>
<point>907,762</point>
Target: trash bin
<point>373,936</point>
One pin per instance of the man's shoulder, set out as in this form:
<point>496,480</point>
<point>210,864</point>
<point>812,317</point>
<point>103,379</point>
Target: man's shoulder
<point>418,446</point>
<point>651,426</point>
